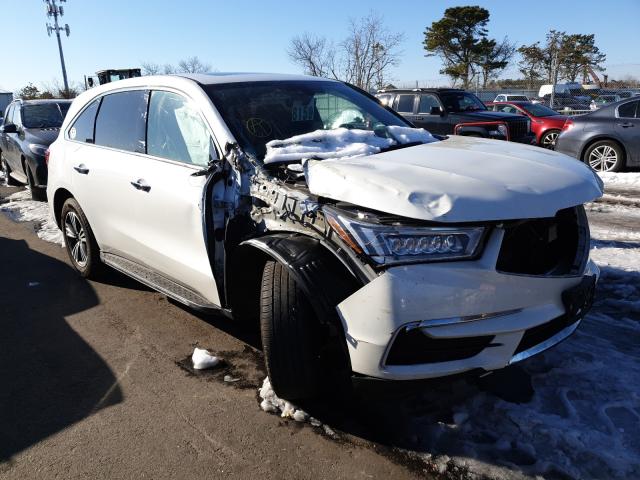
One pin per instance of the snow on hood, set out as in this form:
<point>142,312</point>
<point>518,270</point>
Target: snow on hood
<point>460,179</point>
<point>340,143</point>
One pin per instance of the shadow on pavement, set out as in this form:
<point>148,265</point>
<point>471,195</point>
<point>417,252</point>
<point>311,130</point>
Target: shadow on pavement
<point>50,377</point>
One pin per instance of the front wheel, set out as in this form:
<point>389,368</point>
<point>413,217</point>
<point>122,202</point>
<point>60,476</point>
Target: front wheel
<point>82,247</point>
<point>605,156</point>
<point>548,140</point>
<point>6,173</point>
<point>290,338</point>
<point>37,193</point>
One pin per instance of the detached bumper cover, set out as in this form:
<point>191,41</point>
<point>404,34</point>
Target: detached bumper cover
<point>455,300</point>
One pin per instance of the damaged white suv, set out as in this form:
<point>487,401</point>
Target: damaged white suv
<point>363,245</point>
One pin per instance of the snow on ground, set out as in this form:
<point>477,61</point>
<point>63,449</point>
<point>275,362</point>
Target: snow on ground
<point>621,179</point>
<point>340,143</point>
<point>202,359</point>
<point>21,208</point>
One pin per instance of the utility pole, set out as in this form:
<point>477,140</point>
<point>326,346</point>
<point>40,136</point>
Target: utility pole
<point>55,11</point>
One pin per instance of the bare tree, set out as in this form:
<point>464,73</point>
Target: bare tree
<point>364,58</point>
<point>150,68</point>
<point>169,69</point>
<point>314,54</point>
<point>370,51</point>
<point>193,65</point>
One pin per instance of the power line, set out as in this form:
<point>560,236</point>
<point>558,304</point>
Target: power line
<point>55,11</point>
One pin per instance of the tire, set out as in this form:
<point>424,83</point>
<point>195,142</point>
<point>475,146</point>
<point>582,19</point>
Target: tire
<point>289,335</point>
<point>8,180</point>
<point>38,194</point>
<point>81,245</point>
<point>605,156</point>
<point>548,140</point>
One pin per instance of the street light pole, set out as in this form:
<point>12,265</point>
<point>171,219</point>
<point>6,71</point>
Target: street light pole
<point>56,11</point>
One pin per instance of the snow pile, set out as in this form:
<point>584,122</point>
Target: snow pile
<point>273,404</point>
<point>621,179</point>
<point>21,208</point>
<point>340,143</point>
<point>202,359</point>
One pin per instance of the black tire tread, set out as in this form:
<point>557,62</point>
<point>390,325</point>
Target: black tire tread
<point>287,322</point>
<point>94,267</point>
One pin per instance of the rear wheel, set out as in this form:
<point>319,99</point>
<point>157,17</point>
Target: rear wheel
<point>605,156</point>
<point>82,248</point>
<point>548,140</point>
<point>6,172</point>
<point>290,338</point>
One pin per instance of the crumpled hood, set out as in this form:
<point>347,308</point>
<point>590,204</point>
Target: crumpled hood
<point>460,179</point>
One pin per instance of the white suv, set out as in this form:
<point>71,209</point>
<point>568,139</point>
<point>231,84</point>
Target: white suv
<point>362,244</point>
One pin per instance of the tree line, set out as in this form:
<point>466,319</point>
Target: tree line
<point>460,39</point>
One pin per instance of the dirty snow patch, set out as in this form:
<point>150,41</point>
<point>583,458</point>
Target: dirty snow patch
<point>621,179</point>
<point>21,208</point>
<point>202,359</point>
<point>340,143</point>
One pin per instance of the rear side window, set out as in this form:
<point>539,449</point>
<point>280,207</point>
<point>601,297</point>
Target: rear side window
<point>83,128</point>
<point>176,131</point>
<point>627,110</point>
<point>121,121</point>
<point>405,103</point>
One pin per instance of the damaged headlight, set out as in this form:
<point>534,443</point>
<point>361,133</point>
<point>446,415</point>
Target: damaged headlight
<point>387,244</point>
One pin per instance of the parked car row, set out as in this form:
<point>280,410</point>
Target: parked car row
<point>447,111</point>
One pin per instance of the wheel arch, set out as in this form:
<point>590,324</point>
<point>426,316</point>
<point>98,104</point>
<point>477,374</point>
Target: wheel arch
<point>600,138</point>
<point>324,279</point>
<point>61,196</point>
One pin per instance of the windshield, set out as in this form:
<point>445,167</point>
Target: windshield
<point>456,102</point>
<point>538,110</point>
<point>259,112</point>
<point>44,115</point>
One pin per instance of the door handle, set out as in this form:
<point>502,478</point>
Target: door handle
<point>81,169</point>
<point>140,184</point>
<point>626,125</point>
<point>419,118</point>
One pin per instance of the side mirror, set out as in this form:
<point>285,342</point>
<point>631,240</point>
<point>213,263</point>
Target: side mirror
<point>436,111</point>
<point>9,128</point>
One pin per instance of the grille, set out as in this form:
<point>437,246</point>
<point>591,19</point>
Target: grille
<point>539,334</point>
<point>412,347</point>
<point>518,128</point>
<point>546,246</point>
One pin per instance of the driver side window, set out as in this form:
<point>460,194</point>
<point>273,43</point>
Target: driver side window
<point>176,130</point>
<point>335,111</point>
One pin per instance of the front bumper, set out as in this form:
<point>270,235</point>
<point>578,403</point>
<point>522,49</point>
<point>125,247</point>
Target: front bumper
<point>456,302</point>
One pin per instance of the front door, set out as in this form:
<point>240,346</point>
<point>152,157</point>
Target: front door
<point>628,129</point>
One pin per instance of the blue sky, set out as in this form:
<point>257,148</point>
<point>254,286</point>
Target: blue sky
<point>251,35</point>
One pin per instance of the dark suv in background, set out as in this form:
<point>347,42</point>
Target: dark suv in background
<point>27,130</point>
<point>447,111</point>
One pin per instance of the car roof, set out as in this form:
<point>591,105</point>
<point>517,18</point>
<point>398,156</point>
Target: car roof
<point>40,101</point>
<point>417,90</point>
<point>239,77</point>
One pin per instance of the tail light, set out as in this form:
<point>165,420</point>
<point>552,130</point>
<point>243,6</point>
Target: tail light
<point>46,157</point>
<point>568,125</point>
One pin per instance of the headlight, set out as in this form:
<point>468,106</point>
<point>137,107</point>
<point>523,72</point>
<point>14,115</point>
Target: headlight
<point>502,130</point>
<point>38,149</point>
<point>388,244</point>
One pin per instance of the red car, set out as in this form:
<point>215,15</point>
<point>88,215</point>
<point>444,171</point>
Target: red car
<point>546,124</point>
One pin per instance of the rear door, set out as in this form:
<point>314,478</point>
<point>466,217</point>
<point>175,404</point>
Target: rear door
<point>627,128</point>
<point>405,105</point>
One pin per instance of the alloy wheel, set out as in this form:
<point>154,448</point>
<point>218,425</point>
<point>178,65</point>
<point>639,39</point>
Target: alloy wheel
<point>76,239</point>
<point>603,158</point>
<point>549,140</point>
